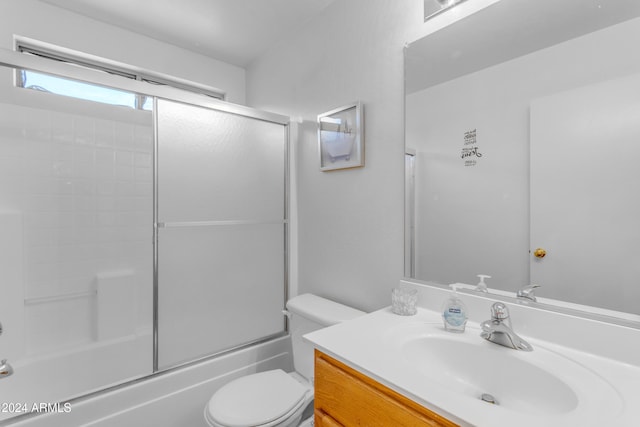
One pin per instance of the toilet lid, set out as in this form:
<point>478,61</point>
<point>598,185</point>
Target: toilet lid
<point>256,399</point>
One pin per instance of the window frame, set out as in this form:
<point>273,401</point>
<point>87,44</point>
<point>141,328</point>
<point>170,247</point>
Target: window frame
<point>104,65</point>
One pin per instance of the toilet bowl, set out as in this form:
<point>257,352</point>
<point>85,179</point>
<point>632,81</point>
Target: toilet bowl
<point>276,398</point>
<point>265,399</point>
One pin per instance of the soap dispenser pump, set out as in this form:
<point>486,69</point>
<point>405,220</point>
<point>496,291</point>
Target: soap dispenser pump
<point>482,286</point>
<point>454,313</point>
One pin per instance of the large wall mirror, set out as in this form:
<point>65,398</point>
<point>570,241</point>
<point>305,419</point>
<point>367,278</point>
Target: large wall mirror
<point>523,133</point>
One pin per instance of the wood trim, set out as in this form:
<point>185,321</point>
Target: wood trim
<point>346,397</point>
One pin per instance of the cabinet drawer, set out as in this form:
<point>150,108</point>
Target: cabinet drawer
<point>346,397</point>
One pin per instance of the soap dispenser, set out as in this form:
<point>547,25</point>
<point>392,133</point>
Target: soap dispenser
<point>482,286</point>
<point>454,313</point>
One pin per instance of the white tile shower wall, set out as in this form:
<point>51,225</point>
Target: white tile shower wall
<point>12,272</point>
<point>84,188</point>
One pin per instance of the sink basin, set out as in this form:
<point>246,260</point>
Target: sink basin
<point>537,382</point>
<point>477,369</point>
<point>581,383</point>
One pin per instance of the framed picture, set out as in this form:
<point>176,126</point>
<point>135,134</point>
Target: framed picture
<point>340,138</point>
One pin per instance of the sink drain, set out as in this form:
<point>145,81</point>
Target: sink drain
<point>486,397</point>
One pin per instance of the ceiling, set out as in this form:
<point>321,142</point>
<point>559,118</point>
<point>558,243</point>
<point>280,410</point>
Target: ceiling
<point>526,26</point>
<point>233,31</point>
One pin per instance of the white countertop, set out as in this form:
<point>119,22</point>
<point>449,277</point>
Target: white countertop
<point>369,345</point>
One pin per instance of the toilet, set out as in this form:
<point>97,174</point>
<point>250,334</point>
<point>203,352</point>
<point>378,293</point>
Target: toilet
<point>276,398</point>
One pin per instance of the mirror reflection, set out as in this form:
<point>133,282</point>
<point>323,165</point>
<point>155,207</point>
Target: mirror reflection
<point>522,140</point>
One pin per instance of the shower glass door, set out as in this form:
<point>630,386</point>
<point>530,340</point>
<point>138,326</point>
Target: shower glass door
<point>76,265</point>
<point>220,231</point>
<point>131,240</point>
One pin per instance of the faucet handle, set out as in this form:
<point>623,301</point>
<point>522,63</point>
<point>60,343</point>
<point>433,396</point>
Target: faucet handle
<point>499,311</point>
<point>5,369</point>
<point>528,292</point>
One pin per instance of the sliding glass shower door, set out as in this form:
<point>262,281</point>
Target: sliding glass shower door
<point>76,265</point>
<point>131,241</point>
<point>221,219</point>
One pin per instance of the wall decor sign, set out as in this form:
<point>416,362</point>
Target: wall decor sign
<point>340,138</point>
<point>470,153</point>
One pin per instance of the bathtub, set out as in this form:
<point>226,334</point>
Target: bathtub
<point>169,399</point>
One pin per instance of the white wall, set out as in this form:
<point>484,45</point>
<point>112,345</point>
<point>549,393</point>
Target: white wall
<point>350,221</point>
<point>46,23</point>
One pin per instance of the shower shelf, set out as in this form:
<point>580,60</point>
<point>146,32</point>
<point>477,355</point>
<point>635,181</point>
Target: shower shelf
<point>61,297</point>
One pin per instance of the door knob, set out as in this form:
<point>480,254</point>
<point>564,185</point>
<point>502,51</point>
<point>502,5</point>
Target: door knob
<point>539,253</point>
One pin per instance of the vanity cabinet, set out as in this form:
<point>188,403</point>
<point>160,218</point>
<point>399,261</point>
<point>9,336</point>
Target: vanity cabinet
<point>346,397</point>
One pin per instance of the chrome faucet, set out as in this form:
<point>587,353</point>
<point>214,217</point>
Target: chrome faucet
<point>528,292</point>
<point>5,369</point>
<point>498,330</point>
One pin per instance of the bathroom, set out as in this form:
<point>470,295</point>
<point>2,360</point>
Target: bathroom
<point>345,228</point>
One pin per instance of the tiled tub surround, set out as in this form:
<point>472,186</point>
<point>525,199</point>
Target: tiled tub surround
<point>610,353</point>
<point>76,211</point>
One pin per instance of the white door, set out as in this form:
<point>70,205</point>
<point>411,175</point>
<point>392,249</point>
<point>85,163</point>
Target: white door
<point>585,182</point>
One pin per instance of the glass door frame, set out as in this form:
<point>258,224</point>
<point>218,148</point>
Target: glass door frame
<point>16,60</point>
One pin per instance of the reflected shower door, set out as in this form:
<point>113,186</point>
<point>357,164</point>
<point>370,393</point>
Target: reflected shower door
<point>221,231</point>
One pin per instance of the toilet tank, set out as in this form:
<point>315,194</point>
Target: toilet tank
<point>310,313</point>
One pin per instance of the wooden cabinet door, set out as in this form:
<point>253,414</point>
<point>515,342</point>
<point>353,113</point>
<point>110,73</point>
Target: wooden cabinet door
<point>346,397</point>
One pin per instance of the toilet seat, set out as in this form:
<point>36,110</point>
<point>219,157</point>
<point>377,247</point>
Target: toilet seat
<point>264,399</point>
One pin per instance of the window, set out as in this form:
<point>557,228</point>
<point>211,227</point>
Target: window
<point>92,92</point>
<point>76,89</point>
